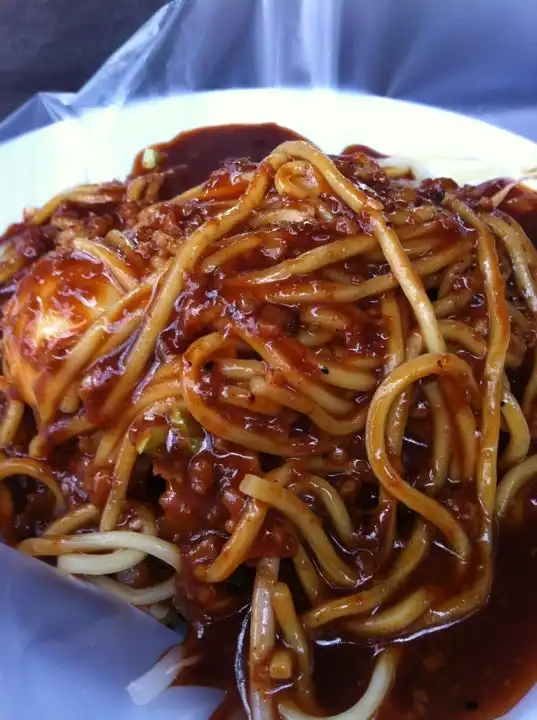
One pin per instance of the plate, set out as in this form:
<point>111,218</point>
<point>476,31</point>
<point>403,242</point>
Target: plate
<point>68,650</point>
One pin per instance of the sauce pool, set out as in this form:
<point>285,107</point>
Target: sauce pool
<point>477,669</point>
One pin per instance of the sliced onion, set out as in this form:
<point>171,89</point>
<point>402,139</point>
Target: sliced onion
<point>161,676</point>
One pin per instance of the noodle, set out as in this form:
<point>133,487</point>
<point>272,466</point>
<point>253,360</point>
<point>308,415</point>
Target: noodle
<point>289,392</point>
<point>332,502</point>
<point>263,633</point>
<point>397,618</point>
<point>81,516</point>
<point>519,432</point>
<point>236,548</point>
<point>142,596</point>
<point>11,421</point>
<point>513,481</point>
<point>293,633</point>
<point>71,561</point>
<point>36,469</point>
<point>398,381</point>
<point>368,600</point>
<point>367,707</point>
<point>308,524</point>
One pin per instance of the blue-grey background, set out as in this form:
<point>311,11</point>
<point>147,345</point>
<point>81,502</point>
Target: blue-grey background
<point>478,57</point>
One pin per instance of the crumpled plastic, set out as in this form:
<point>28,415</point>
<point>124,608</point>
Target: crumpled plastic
<point>409,51</point>
<point>68,650</point>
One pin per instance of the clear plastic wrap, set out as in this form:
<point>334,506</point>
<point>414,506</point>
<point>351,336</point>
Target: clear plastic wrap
<point>405,50</point>
<point>69,651</point>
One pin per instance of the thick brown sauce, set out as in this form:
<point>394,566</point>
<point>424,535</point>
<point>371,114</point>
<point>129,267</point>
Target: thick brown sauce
<point>192,156</point>
<point>480,667</point>
<point>476,669</point>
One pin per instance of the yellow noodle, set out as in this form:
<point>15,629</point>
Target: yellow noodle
<point>530,391</point>
<point>396,619</point>
<point>70,545</point>
<point>237,547</point>
<point>11,421</point>
<point>463,417</point>
<point>225,254</point>
<point>395,355</point>
<point>84,351</point>
<point>414,231</point>
<point>293,633</point>
<point>307,522</point>
<point>79,517</point>
<point>89,193</point>
<point>36,469</point>
<point>121,331</point>
<point>172,283</point>
<point>135,596</point>
<point>333,504</point>
<point>451,274</point>
<point>118,489</point>
<point>461,334</point>
<point>517,317</point>
<point>235,369</point>
<point>313,339</point>
<point>281,665</point>
<point>212,420</point>
<point>320,291</point>
<point>155,392</point>
<point>244,398</point>
<point>476,595</point>
<point>414,248</point>
<point>119,269</point>
<point>494,362</point>
<point>519,432</point>
<point>307,574</point>
<point>341,376</point>
<point>360,347</point>
<point>344,188</point>
<point>324,421</point>
<point>276,358</point>
<point>71,401</point>
<point>61,431</point>
<point>442,433</point>
<point>453,302</point>
<point>286,180</point>
<point>283,216</point>
<point>325,318</point>
<point>367,600</point>
<point>513,481</point>
<point>262,635</point>
<point>311,260</point>
<point>389,390</point>
<point>369,704</point>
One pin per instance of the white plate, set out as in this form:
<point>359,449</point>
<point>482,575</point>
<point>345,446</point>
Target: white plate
<point>67,651</point>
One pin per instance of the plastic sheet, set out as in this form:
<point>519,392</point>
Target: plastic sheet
<point>68,651</point>
<point>407,50</point>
